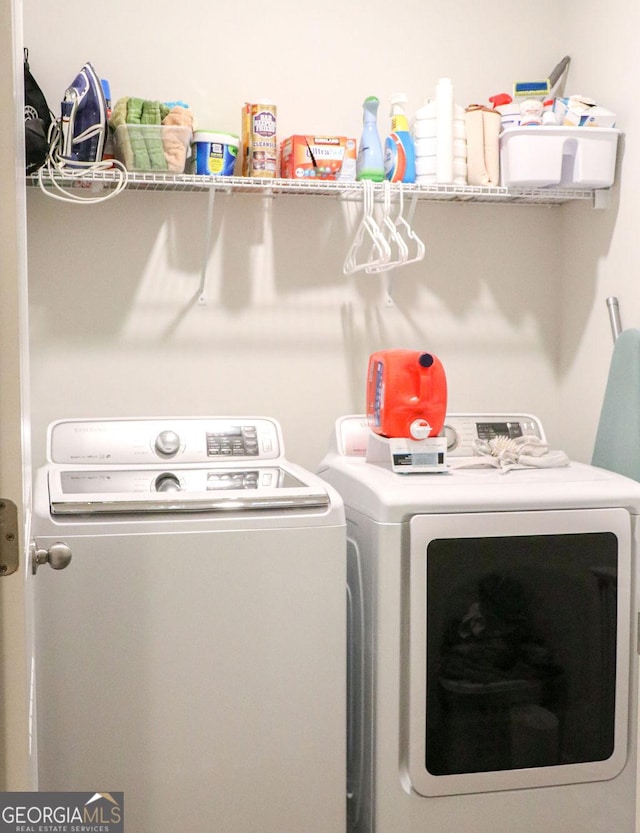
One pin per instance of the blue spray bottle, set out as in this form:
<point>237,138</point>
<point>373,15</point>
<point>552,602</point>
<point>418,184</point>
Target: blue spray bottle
<point>399,149</point>
<point>370,162</point>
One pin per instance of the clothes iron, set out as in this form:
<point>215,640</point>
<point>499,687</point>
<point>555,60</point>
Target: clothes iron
<point>84,119</point>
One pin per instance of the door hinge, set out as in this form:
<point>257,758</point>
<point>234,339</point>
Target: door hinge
<point>9,549</point>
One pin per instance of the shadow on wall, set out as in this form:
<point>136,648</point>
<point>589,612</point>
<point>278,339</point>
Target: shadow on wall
<point>87,263</point>
<point>149,249</point>
<point>586,235</point>
<point>485,265</point>
<point>492,276</point>
<point>116,305</point>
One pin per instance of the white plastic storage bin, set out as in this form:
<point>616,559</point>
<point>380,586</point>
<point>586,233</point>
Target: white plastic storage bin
<point>561,157</point>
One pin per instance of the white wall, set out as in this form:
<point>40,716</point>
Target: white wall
<point>115,326</point>
<point>602,256</point>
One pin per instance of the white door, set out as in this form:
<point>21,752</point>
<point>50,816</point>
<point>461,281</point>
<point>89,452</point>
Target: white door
<point>14,471</point>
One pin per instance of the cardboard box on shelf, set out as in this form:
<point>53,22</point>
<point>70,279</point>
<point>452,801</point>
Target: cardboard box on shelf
<point>318,158</point>
<point>578,111</point>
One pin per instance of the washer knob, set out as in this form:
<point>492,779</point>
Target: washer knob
<point>452,437</point>
<point>167,482</point>
<point>167,443</point>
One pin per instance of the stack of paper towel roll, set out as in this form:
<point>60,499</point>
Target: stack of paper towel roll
<point>439,134</point>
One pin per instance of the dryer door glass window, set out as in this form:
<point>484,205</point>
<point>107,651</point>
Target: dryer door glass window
<point>519,649</point>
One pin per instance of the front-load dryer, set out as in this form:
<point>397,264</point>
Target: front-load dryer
<point>492,640</point>
<point>192,653</point>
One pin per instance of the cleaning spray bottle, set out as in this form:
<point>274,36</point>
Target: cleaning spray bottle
<point>370,162</point>
<point>399,150</point>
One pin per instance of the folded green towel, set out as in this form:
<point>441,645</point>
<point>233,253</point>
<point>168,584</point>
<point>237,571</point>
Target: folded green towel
<point>118,119</point>
<point>141,159</point>
<point>152,114</point>
<point>140,149</point>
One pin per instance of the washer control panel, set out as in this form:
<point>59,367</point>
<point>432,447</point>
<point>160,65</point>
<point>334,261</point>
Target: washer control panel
<point>153,441</point>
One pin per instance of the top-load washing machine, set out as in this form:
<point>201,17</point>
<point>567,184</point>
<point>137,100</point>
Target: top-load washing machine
<point>191,653</point>
<point>492,639</point>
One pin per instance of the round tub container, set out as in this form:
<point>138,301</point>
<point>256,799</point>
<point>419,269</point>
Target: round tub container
<point>214,153</point>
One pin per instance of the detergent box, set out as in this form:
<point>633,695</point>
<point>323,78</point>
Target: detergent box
<point>318,158</point>
<point>579,111</point>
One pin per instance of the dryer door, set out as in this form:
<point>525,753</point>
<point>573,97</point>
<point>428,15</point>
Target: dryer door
<point>520,649</point>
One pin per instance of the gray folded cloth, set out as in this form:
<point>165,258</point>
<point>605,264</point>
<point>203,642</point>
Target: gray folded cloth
<point>505,453</point>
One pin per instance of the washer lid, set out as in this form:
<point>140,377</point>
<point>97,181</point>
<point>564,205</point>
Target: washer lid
<point>83,490</point>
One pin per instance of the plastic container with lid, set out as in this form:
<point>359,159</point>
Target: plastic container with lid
<point>214,154</point>
<point>406,394</point>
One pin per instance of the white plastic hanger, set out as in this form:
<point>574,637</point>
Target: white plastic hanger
<point>406,231</point>
<point>368,232</point>
<point>393,237</point>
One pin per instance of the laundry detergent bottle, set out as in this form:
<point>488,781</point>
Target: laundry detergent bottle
<point>406,394</point>
<point>370,161</point>
<point>399,149</point>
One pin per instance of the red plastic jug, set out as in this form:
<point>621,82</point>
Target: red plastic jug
<point>406,394</point>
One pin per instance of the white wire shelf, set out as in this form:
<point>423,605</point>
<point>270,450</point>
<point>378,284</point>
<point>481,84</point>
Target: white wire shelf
<point>142,181</point>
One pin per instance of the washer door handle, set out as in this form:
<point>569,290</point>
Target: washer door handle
<point>57,556</point>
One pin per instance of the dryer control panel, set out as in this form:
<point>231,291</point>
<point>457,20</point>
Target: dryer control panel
<point>461,430</point>
<point>150,441</point>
